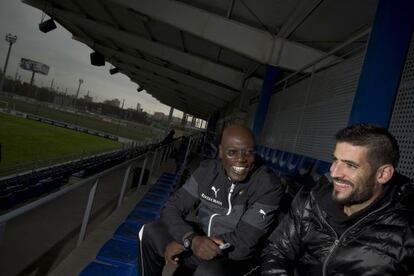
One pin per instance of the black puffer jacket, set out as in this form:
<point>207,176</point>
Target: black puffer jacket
<point>239,213</point>
<point>379,243</point>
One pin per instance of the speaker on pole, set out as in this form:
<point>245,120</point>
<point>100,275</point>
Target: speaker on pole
<point>97,59</point>
<point>47,26</point>
<point>113,70</point>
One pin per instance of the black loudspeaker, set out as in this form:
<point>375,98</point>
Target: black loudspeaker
<point>47,26</point>
<point>113,70</point>
<point>97,59</point>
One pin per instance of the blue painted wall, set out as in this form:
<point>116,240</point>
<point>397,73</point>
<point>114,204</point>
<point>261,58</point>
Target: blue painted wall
<point>384,61</point>
<point>272,74</point>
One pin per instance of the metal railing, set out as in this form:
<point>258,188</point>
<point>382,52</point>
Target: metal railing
<point>159,155</point>
<point>7,172</point>
<point>95,178</point>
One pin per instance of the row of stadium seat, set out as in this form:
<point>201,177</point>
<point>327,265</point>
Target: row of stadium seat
<point>21,188</point>
<point>119,256</point>
<point>295,170</point>
<point>12,195</point>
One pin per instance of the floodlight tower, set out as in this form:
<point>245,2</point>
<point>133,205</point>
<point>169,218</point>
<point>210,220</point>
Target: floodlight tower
<point>10,39</point>
<point>80,83</point>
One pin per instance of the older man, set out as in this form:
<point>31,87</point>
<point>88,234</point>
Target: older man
<point>357,222</point>
<point>237,199</point>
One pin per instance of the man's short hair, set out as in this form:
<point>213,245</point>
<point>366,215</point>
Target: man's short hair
<point>383,147</point>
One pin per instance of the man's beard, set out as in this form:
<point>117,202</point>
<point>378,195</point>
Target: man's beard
<point>364,192</point>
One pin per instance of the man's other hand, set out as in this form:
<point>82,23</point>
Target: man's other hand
<point>205,248</point>
<point>172,249</point>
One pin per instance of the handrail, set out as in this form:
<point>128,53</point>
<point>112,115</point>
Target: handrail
<point>70,159</point>
<point>30,206</point>
<point>41,201</point>
<point>155,147</point>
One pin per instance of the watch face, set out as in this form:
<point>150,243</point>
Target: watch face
<point>187,243</point>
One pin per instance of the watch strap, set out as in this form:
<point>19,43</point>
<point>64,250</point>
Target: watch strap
<point>188,239</point>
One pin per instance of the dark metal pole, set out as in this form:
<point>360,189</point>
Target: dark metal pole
<point>11,39</point>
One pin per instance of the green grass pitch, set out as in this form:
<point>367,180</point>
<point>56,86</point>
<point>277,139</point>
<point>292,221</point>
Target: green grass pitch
<point>28,144</point>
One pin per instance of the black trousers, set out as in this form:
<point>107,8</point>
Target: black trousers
<point>155,237</point>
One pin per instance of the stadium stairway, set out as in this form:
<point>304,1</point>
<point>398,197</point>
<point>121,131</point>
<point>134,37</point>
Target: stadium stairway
<point>119,255</point>
<point>112,248</point>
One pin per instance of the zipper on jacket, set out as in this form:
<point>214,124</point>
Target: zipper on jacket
<point>335,244</point>
<point>216,214</point>
<point>338,240</point>
<point>229,198</point>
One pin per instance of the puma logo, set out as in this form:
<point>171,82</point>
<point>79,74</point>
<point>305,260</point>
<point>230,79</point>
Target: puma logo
<point>215,191</point>
<point>263,213</point>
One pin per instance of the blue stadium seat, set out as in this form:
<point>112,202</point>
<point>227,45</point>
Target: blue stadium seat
<point>293,163</point>
<point>147,211</point>
<point>144,201</point>
<point>138,216</point>
<point>319,168</point>
<point>167,177</point>
<point>299,168</point>
<point>128,232</point>
<point>159,191</point>
<point>36,189</point>
<point>268,154</point>
<point>51,184</point>
<point>7,201</point>
<point>22,194</point>
<point>149,204</point>
<point>105,269</point>
<point>280,166</point>
<point>119,256</point>
<point>276,155</point>
<point>119,252</point>
<point>305,166</point>
<point>162,190</point>
<point>165,182</point>
<point>156,197</point>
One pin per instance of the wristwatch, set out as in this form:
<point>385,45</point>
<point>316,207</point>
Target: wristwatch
<point>187,241</point>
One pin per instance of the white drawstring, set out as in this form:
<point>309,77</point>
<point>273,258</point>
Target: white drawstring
<point>216,214</point>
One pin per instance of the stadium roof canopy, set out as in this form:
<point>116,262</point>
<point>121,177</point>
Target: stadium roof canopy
<point>198,55</point>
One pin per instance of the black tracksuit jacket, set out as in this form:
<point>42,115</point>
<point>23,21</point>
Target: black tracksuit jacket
<point>380,242</point>
<point>239,213</point>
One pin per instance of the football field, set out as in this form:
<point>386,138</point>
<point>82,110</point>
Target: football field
<point>134,131</point>
<point>27,144</point>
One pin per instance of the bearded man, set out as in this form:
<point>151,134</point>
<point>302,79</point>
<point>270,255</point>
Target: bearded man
<point>236,198</point>
<point>358,221</point>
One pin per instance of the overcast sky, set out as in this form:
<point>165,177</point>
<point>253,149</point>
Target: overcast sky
<point>68,60</point>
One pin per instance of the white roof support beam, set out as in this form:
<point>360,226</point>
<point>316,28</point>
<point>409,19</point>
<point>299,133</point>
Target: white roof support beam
<point>220,73</point>
<point>256,44</point>
<point>188,91</point>
<point>207,87</point>
<point>167,95</point>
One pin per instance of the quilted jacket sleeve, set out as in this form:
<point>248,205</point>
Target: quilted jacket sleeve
<point>285,242</point>
<point>179,205</point>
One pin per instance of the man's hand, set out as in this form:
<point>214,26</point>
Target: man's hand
<point>217,240</point>
<point>205,248</point>
<point>172,249</point>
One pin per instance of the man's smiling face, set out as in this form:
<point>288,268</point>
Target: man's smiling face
<point>237,152</point>
<point>353,177</point>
